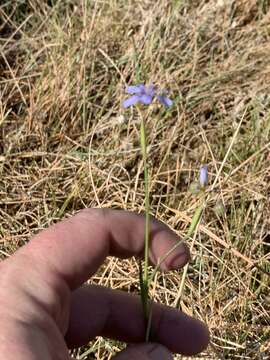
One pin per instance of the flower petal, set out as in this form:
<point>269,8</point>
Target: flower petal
<point>132,100</point>
<point>146,99</point>
<point>150,90</point>
<point>165,100</point>
<point>135,89</point>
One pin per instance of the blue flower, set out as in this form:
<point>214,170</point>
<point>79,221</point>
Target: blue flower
<point>145,95</point>
<point>141,93</point>
<point>204,175</point>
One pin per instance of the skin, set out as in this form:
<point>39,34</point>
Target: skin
<point>45,309</point>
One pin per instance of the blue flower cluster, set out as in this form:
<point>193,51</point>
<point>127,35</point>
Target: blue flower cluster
<point>145,95</point>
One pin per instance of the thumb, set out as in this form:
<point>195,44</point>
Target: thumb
<point>149,351</point>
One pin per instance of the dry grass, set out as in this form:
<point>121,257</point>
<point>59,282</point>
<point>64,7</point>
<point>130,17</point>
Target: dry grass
<point>64,146</point>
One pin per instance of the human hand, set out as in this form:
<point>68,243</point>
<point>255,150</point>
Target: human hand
<point>44,310</point>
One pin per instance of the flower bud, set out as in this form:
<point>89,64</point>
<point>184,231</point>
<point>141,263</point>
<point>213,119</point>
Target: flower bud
<point>203,176</point>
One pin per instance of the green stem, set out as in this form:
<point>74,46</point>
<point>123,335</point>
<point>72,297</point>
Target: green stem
<point>147,206</point>
<point>194,222</point>
<point>145,275</point>
<point>192,228</point>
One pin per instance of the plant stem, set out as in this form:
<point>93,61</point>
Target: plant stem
<point>147,207</point>
<point>195,220</point>
<point>192,229</point>
<point>145,276</point>
<point>194,223</point>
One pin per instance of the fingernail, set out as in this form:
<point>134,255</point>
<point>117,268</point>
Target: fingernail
<point>181,258</point>
<point>159,352</point>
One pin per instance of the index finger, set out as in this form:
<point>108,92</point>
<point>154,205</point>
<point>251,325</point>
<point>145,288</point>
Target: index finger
<point>75,248</point>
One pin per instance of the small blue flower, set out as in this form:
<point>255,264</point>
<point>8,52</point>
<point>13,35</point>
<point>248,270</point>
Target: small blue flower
<point>203,176</point>
<point>145,95</point>
<point>141,93</point>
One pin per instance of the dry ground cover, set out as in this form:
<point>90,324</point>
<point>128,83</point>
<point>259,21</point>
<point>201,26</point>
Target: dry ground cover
<point>66,143</point>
